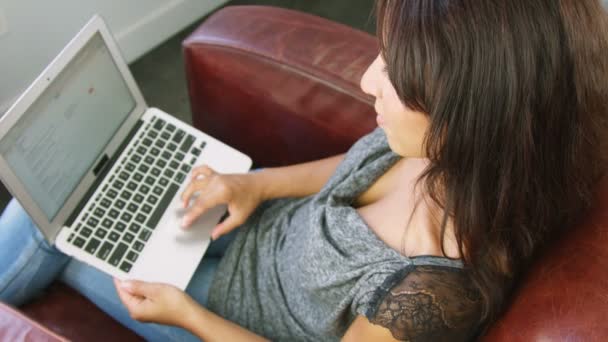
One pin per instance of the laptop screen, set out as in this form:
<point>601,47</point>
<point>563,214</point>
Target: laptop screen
<point>56,141</point>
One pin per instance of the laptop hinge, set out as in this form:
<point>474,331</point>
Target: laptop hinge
<point>101,170</point>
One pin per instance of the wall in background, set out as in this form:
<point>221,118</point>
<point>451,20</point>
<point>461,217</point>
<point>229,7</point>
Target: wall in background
<point>33,32</point>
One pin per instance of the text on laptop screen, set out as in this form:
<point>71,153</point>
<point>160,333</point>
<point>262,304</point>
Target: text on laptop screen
<point>61,135</point>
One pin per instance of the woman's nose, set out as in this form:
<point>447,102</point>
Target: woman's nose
<point>370,79</point>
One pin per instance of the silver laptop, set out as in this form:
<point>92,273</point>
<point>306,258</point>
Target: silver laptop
<point>100,173</point>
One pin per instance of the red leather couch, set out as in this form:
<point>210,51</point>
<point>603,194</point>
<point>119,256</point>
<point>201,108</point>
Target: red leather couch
<point>283,87</point>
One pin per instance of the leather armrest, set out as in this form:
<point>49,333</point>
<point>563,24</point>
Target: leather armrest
<point>279,85</point>
<point>15,326</point>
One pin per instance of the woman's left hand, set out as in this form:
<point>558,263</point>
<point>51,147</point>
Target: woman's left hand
<point>155,302</point>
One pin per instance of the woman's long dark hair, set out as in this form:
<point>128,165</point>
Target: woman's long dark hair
<point>517,93</point>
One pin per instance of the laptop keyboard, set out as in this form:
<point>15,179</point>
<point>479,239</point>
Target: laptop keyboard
<point>119,222</point>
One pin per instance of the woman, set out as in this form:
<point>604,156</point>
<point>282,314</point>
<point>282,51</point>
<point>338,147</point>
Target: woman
<point>492,121</point>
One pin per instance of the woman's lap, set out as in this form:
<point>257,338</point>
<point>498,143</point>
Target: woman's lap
<point>28,265</point>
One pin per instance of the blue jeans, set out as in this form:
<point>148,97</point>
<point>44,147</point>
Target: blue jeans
<point>28,265</point>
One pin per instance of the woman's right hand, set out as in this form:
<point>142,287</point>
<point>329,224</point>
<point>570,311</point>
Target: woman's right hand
<point>240,192</point>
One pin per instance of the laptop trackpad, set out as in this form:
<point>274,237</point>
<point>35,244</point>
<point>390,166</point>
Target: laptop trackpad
<point>172,255</point>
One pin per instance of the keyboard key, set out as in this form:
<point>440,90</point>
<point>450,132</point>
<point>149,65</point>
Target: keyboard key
<point>71,237</point>
<point>185,168</point>
<point>78,227</point>
<point>170,127</point>
<point>142,150</point>
<point>140,218</point>
<point>132,186</point>
<point>155,172</point>
<point>146,142</point>
<point>79,242</point>
<point>128,237</point>
<point>92,246</point>
<point>93,221</point>
<point>143,168</point>
<point>126,217</point>
<point>192,161</point>
<point>152,199</point>
<point>165,135</point>
<point>162,205</point>
<point>138,198</point>
<point>152,134</point>
<point>99,212</point>
<point>159,124</point>
<point>123,175</point>
<point>118,253</point>
<point>86,232</point>
<point>179,156</point>
<point>173,164</point>
<point>138,177</point>
<point>105,203</point>
<point>132,207</point>
<point>196,151</point>
<point>149,160</point>
<point>101,233</point>
<point>120,226</point>
<point>130,167</point>
<point>132,256</point>
<point>104,251</point>
<point>125,267</point>
<point>113,213</point>
<point>119,204</point>
<point>145,234</point>
<point>180,177</point>
<point>203,144</point>
<point>138,246</point>
<point>146,209</point>
<point>126,195</point>
<point>114,236</point>
<point>178,136</point>
<point>154,151</point>
<point>135,158</point>
<point>112,194</point>
<point>159,143</point>
<point>144,189</point>
<point>187,143</point>
<point>134,227</point>
<point>118,185</point>
<point>107,223</point>
<point>161,163</point>
<point>166,155</point>
<point>150,180</point>
<point>169,173</point>
<point>163,181</point>
<point>172,147</point>
<point>158,190</point>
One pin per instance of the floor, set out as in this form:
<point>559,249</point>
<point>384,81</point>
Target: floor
<point>160,73</point>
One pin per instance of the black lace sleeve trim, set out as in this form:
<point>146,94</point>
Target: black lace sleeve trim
<point>388,284</point>
<point>426,303</point>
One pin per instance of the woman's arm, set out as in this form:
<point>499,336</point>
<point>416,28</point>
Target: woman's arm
<point>210,327</point>
<point>297,180</point>
<point>166,304</point>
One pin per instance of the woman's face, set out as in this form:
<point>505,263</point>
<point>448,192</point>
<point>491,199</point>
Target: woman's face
<point>404,128</point>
